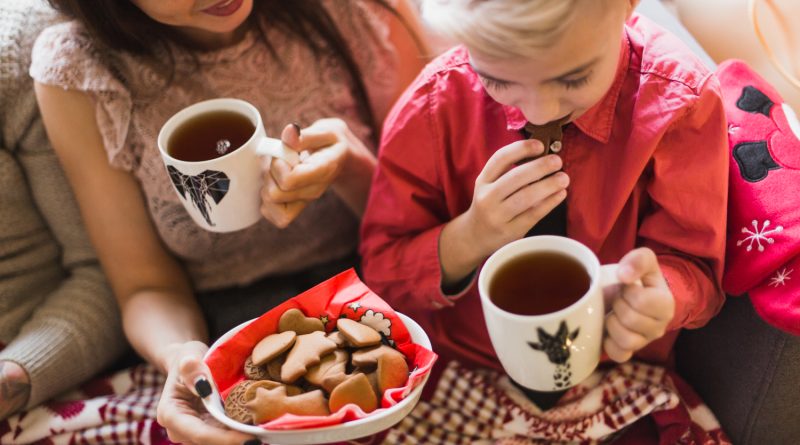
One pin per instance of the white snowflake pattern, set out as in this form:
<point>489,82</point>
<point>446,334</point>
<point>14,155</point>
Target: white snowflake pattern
<point>354,306</point>
<point>758,235</point>
<point>377,321</point>
<point>781,277</point>
<point>518,425</point>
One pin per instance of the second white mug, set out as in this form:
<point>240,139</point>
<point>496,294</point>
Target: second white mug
<point>552,351</point>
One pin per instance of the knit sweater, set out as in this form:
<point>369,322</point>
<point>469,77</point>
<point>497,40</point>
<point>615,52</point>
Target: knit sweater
<point>58,319</point>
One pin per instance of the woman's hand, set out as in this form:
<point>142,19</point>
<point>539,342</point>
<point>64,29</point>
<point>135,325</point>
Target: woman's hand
<point>180,409</point>
<point>639,313</point>
<point>332,158</point>
<point>15,388</point>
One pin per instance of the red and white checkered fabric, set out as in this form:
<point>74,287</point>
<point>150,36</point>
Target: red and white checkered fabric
<point>467,407</point>
<point>483,407</point>
<point>120,410</point>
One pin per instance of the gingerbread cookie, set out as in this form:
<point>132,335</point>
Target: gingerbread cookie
<point>390,365</point>
<point>295,320</point>
<point>357,334</point>
<point>330,371</point>
<point>366,359</point>
<point>307,351</point>
<point>274,367</point>
<point>235,403</point>
<point>269,404</point>
<point>272,346</point>
<point>250,392</point>
<point>253,372</point>
<point>338,338</point>
<point>357,390</point>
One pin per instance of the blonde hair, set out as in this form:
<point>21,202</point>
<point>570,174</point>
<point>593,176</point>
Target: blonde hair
<point>500,28</point>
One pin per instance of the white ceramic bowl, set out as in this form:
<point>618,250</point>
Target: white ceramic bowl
<point>366,426</point>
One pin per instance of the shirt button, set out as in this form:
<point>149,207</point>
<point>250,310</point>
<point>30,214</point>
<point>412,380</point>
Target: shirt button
<point>555,147</point>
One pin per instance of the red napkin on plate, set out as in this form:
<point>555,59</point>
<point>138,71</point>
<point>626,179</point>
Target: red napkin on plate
<point>341,296</point>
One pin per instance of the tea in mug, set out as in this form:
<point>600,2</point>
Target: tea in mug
<point>210,135</point>
<point>538,283</point>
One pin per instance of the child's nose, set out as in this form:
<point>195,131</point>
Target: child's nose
<point>542,112</point>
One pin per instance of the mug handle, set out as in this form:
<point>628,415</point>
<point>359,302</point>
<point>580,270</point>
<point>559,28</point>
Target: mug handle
<point>608,275</point>
<point>277,149</point>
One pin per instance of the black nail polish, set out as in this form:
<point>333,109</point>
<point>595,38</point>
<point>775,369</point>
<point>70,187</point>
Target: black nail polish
<point>253,442</point>
<point>202,387</point>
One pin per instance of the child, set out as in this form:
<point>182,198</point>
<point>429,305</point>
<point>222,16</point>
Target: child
<point>641,169</point>
<point>111,76</point>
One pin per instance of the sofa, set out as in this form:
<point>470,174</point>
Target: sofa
<point>747,371</point>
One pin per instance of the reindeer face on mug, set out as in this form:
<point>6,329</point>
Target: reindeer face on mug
<point>556,346</point>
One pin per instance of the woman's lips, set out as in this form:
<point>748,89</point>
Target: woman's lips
<point>224,8</point>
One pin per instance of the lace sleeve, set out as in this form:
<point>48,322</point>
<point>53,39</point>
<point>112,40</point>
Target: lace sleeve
<point>64,56</point>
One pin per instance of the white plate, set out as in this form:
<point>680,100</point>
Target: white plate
<point>366,426</point>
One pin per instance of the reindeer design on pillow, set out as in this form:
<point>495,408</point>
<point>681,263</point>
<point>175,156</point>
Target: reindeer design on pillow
<point>557,348</point>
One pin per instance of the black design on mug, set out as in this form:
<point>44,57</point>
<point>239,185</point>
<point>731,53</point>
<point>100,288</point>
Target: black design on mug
<point>210,182</point>
<point>557,349</point>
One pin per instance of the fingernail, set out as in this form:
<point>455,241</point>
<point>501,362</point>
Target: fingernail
<point>253,442</point>
<point>296,127</point>
<point>202,387</point>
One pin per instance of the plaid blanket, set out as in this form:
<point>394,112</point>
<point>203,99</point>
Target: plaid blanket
<point>466,407</point>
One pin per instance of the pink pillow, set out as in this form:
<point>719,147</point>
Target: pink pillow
<point>763,240</point>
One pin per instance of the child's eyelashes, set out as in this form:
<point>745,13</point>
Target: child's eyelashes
<point>572,84</point>
<point>494,84</point>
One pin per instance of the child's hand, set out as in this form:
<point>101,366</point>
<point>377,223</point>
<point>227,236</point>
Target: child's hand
<point>639,313</point>
<point>506,203</point>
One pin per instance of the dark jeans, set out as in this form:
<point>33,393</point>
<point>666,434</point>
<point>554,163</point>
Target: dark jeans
<point>748,373</point>
<point>226,308</point>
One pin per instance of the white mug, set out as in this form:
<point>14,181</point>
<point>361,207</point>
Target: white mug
<point>223,194</point>
<point>554,351</point>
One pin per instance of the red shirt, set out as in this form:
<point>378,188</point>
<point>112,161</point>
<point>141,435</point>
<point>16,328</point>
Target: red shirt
<point>648,167</point>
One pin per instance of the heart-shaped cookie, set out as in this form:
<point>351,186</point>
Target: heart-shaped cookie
<point>272,346</point>
<point>356,389</point>
<point>295,320</point>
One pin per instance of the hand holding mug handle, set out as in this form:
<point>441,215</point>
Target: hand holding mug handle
<point>277,149</point>
<point>639,304</point>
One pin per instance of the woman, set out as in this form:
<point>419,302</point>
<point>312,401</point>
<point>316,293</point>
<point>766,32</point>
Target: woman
<point>107,81</point>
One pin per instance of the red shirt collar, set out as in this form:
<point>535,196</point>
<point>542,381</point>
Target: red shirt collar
<point>598,120</point>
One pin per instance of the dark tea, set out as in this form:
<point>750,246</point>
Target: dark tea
<point>539,283</point>
<point>210,135</point>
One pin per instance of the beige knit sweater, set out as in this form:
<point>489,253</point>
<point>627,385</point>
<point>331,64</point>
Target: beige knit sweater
<point>57,315</point>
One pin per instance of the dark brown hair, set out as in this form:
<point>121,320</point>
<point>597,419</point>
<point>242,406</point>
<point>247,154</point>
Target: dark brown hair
<point>121,25</point>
